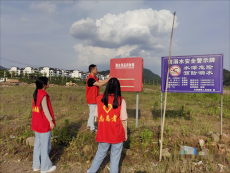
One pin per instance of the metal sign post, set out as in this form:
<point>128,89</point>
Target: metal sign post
<point>137,109</point>
<point>221,115</point>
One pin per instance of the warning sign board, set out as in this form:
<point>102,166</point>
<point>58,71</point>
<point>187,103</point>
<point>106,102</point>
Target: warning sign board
<point>129,72</point>
<point>193,73</point>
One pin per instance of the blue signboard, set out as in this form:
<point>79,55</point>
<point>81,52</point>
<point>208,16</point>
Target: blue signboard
<point>193,74</point>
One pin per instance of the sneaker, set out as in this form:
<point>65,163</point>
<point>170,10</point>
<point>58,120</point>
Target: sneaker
<point>50,170</point>
<point>36,169</point>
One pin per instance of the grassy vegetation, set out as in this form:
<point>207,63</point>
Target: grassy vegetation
<point>74,147</point>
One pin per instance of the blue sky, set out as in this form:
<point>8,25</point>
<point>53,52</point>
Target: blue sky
<point>74,34</point>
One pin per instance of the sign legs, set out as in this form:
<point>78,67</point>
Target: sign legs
<point>221,114</point>
<point>161,107</point>
<point>137,109</point>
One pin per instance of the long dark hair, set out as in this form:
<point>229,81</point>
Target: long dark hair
<point>113,87</point>
<point>40,83</point>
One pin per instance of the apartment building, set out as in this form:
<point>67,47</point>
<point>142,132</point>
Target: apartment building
<point>52,72</point>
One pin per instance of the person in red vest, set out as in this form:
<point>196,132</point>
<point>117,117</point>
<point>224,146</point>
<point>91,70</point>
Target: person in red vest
<point>112,126</point>
<point>92,91</point>
<point>42,123</point>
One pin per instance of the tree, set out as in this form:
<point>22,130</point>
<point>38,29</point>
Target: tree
<point>1,73</point>
<point>13,74</point>
<point>7,73</point>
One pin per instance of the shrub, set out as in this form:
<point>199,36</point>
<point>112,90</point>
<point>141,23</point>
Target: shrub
<point>146,136</point>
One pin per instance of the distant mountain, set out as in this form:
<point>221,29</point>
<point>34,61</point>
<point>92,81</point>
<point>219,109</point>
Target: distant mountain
<point>2,68</point>
<point>147,74</point>
<point>104,72</point>
<point>226,77</point>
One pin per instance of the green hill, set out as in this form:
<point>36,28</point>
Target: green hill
<point>2,68</point>
<point>104,72</point>
<point>147,74</point>
<point>226,77</point>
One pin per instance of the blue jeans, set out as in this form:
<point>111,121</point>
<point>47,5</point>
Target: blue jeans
<point>92,108</point>
<point>102,152</point>
<point>42,147</point>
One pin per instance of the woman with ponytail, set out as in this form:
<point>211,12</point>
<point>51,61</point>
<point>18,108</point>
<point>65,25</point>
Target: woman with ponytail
<point>42,123</point>
<point>112,126</point>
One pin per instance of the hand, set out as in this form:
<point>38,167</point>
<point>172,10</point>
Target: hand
<point>52,126</point>
<point>126,137</point>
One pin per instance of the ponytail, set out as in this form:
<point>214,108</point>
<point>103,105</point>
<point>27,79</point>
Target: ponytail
<point>40,83</point>
<point>35,95</point>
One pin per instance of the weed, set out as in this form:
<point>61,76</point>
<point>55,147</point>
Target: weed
<point>182,111</point>
<point>65,166</point>
<point>146,136</point>
<point>64,137</point>
<point>184,130</point>
<point>169,131</point>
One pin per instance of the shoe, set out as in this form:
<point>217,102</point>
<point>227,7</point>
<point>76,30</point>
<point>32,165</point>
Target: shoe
<point>95,130</point>
<point>36,169</point>
<point>50,170</point>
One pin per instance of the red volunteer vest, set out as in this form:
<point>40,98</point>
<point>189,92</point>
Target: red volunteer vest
<point>39,122</point>
<point>91,92</point>
<point>110,128</point>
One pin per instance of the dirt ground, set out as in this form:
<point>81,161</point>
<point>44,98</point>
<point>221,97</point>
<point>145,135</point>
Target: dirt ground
<point>189,117</point>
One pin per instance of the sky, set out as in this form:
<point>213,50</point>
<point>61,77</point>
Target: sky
<point>71,35</point>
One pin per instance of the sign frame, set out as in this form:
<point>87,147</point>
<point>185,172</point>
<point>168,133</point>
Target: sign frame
<point>164,63</point>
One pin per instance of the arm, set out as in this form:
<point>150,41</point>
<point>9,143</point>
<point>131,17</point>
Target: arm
<point>125,128</point>
<point>124,117</point>
<point>47,112</point>
<point>103,82</point>
<point>96,112</point>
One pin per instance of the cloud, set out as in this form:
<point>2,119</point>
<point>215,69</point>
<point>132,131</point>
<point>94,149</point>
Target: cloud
<point>145,27</point>
<point>24,19</point>
<point>98,55</point>
<point>47,7</point>
<point>143,32</point>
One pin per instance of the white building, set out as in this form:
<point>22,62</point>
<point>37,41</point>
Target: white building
<point>28,70</point>
<point>53,72</point>
<point>84,76</point>
<point>13,69</point>
<point>45,71</point>
<point>16,70</point>
<point>76,74</point>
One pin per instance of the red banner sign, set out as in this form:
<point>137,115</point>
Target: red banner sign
<point>129,72</point>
